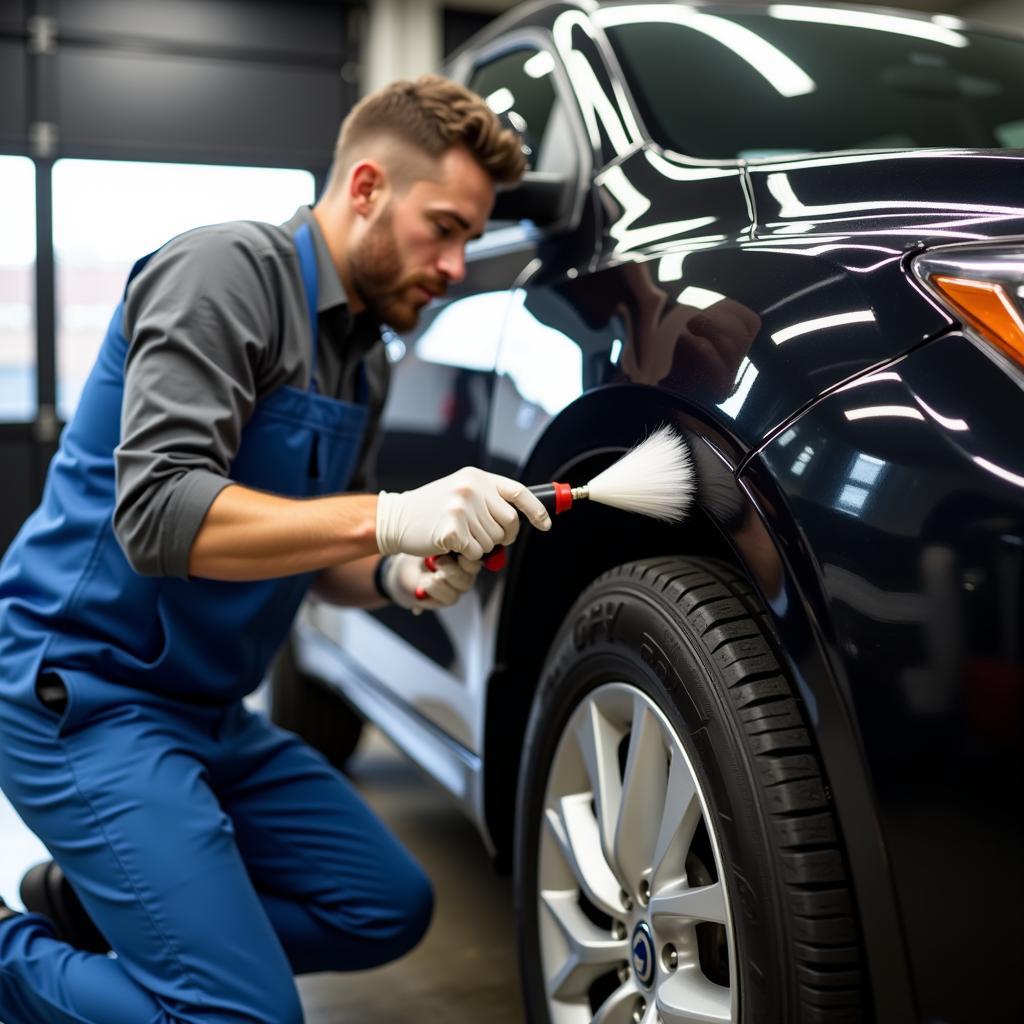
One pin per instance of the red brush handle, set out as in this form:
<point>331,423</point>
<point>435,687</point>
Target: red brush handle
<point>555,497</point>
<point>495,560</point>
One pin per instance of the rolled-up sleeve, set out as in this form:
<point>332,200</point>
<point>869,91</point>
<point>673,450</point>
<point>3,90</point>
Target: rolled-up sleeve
<point>199,326</point>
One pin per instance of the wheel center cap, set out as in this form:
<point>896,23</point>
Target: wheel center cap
<point>643,954</point>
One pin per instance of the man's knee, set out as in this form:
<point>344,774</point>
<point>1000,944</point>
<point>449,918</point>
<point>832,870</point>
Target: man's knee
<point>417,898</point>
<point>403,921</point>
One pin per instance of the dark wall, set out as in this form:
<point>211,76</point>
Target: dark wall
<point>248,81</point>
<point>460,24</point>
<point>208,81</point>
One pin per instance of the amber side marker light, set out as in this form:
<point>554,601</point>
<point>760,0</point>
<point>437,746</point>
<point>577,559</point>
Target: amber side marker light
<point>988,309</point>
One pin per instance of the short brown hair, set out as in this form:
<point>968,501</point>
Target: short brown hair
<point>432,114</point>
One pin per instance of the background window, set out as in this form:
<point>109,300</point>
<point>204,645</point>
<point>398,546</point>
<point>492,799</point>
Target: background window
<point>17,288</point>
<point>106,214</point>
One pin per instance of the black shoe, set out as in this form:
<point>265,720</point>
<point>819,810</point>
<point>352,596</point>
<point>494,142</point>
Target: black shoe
<point>45,890</point>
<point>6,911</point>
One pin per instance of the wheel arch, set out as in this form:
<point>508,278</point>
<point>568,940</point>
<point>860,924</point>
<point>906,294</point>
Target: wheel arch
<point>547,572</point>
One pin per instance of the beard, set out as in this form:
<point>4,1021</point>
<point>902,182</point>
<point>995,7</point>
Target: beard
<point>375,268</point>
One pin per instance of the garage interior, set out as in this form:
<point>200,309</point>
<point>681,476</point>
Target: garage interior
<point>142,104</point>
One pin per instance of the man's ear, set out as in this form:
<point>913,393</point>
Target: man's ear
<point>367,182</point>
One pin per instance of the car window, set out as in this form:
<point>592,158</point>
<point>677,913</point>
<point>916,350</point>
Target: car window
<point>800,79</point>
<point>520,87</point>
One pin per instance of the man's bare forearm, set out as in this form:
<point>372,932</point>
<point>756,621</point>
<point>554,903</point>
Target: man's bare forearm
<point>350,584</point>
<point>250,535</point>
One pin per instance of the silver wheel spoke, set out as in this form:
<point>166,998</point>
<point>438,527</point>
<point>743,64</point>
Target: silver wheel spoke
<point>621,809</point>
<point>599,744</point>
<point>592,952</point>
<point>687,997</point>
<point>644,786</point>
<point>704,903</point>
<point>681,814</point>
<point>575,830</point>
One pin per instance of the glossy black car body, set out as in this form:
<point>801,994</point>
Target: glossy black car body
<point>871,449</point>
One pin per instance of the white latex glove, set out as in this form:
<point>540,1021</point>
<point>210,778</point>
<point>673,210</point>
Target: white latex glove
<point>405,577</point>
<point>468,513</point>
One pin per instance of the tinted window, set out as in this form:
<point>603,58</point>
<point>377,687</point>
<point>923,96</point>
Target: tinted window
<point>723,86</point>
<point>520,87</point>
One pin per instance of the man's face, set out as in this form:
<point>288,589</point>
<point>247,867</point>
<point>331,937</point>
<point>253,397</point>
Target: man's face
<point>414,246</point>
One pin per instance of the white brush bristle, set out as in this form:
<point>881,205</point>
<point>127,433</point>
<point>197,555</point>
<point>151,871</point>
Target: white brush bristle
<point>655,478</point>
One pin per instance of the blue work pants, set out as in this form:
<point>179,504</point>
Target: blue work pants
<point>218,854</point>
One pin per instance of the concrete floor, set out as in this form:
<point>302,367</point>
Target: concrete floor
<point>463,972</point>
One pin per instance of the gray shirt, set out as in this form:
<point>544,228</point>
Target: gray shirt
<point>216,321</point>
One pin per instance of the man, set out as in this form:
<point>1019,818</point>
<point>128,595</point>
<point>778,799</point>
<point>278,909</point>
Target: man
<point>196,496</point>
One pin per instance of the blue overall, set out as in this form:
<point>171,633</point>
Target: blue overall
<point>218,854</point>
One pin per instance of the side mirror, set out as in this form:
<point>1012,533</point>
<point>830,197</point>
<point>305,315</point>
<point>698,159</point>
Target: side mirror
<point>543,198</point>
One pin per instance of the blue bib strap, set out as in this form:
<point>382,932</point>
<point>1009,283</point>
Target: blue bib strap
<point>307,263</point>
<point>137,267</point>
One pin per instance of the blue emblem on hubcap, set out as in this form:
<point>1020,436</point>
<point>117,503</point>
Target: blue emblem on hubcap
<point>643,954</point>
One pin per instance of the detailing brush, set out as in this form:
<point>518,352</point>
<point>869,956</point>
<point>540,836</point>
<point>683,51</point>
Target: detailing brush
<point>655,478</point>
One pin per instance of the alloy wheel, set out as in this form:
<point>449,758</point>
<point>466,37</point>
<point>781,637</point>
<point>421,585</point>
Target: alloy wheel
<point>634,921</point>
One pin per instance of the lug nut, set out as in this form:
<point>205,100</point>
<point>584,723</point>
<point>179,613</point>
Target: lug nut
<point>644,890</point>
<point>623,973</point>
<point>669,957</point>
<point>618,931</point>
<point>639,1010</point>
<point>627,900</point>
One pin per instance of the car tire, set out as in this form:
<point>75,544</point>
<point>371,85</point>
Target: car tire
<point>667,757</point>
<point>306,705</point>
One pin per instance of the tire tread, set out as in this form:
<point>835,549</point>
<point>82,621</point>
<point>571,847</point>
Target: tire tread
<point>723,611</point>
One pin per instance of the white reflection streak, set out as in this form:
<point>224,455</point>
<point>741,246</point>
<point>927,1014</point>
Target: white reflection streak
<point>699,297</point>
<point>865,19</point>
<point>874,266</point>
<point>904,411</point>
<point>857,316</point>
<point>877,156</point>
<point>634,205</point>
<point>500,100</point>
<point>670,267</point>
<point>747,375</point>
<point>539,65</point>
<point>1013,478</point>
<point>873,378</point>
<point>945,421</point>
<point>782,74</point>
<point>594,103</point>
<point>789,206</point>
<point>678,173</point>
<point>693,245</point>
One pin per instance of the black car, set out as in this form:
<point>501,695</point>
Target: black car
<point>759,767</point>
